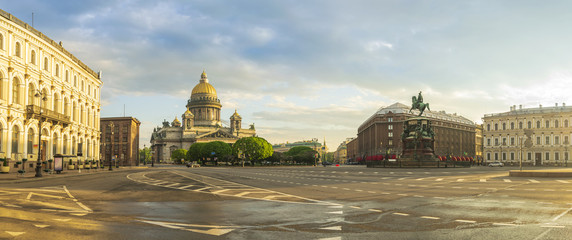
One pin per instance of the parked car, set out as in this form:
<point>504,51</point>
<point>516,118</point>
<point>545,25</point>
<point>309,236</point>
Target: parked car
<point>496,164</point>
<point>192,165</point>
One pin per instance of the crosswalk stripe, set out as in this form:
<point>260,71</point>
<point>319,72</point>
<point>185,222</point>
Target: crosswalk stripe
<point>533,181</point>
<point>483,180</point>
<point>507,180</point>
<point>439,179</point>
<point>562,181</point>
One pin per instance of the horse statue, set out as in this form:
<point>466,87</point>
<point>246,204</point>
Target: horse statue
<point>419,105</point>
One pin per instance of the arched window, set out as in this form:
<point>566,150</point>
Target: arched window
<point>547,124</point>
<point>65,145</point>
<point>31,94</point>
<point>18,51</point>
<point>67,76</point>
<point>46,67</point>
<point>55,144</point>
<point>57,103</point>
<point>520,125</point>
<point>73,146</point>
<point>33,57</point>
<point>16,91</point>
<point>45,99</point>
<point>511,125</point>
<point>1,140</point>
<point>1,41</point>
<point>30,141</point>
<point>15,139</point>
<point>81,115</point>
<point>66,107</point>
<point>74,112</point>
<point>82,86</point>
<point>529,125</point>
<point>503,126</point>
<point>88,152</point>
<point>496,126</point>
<point>555,123</point>
<point>566,123</point>
<point>57,70</point>
<point>75,81</point>
<point>537,124</point>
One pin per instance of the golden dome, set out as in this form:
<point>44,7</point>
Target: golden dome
<point>204,87</point>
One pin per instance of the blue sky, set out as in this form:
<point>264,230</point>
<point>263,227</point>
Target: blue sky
<point>314,69</point>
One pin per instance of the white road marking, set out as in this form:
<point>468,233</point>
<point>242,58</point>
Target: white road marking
<point>562,181</point>
<point>41,226</point>
<point>171,185</point>
<point>336,212</point>
<point>62,219</point>
<point>14,234</point>
<point>205,188</point>
<point>507,180</point>
<point>465,221</point>
<point>214,230</point>
<point>483,180</point>
<point>429,217</point>
<point>504,224</point>
<point>460,180</point>
<point>375,210</point>
<point>533,181</point>
<point>334,228</point>
<point>356,207</point>
<point>439,179</point>
<point>401,214</point>
<point>332,238</point>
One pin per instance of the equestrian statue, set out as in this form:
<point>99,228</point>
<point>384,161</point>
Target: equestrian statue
<point>417,103</point>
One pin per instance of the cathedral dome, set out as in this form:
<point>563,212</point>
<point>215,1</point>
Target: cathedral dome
<point>204,87</point>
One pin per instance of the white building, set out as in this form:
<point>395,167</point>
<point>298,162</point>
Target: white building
<point>36,71</point>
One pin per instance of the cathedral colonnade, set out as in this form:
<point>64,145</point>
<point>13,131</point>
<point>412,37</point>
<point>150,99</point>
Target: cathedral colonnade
<point>41,81</point>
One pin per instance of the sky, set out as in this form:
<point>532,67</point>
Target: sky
<point>314,69</point>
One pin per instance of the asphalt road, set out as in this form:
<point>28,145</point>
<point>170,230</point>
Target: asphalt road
<point>350,202</point>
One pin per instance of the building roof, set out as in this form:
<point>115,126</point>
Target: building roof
<point>540,109</point>
<point>204,87</point>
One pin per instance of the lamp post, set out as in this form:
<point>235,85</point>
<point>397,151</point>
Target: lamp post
<point>566,156</point>
<point>111,126</point>
<point>144,155</point>
<point>521,153</point>
<point>39,163</point>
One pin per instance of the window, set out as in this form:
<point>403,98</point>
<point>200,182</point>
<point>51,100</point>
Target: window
<point>496,156</point>
<point>566,156</point>
<point>67,76</point>
<point>511,125</point>
<point>537,140</point>
<point>496,141</point>
<point>547,156</point>
<point>566,123</point>
<point>390,127</point>
<point>46,64</point>
<point>520,125</point>
<point>55,144</point>
<point>529,156</point>
<point>496,126</point>
<point>511,156</point>
<point>555,123</point>
<point>503,156</point>
<point>556,140</point>
<point>566,140</point>
<point>556,156</point>
<point>15,138</point>
<point>18,51</point>
<point>488,127</point>
<point>503,141</point>
<point>57,70</point>
<point>15,91</point>
<point>30,141</point>
<point>547,124</point>
<point>33,57</point>
<point>75,81</point>
<point>529,124</point>
<point>31,94</point>
<point>488,142</point>
<point>65,144</point>
<point>537,124</point>
<point>488,156</point>
<point>390,142</point>
<point>390,134</point>
<point>1,41</point>
<point>511,141</point>
<point>547,142</point>
<point>390,119</point>
<point>503,126</point>
<point>73,146</point>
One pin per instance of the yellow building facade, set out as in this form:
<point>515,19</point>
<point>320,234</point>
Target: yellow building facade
<point>40,80</point>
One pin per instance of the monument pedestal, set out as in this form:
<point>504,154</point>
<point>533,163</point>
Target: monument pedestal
<point>418,143</point>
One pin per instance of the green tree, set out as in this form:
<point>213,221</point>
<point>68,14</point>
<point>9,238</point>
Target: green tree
<point>216,149</point>
<point>302,155</point>
<point>253,148</point>
<point>195,152</point>
<point>145,154</point>
<point>179,155</point>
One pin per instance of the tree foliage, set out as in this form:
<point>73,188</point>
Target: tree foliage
<point>302,155</point>
<point>252,148</point>
<point>195,152</point>
<point>179,155</point>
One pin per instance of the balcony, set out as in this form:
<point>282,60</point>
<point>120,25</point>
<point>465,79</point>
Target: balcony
<point>33,112</point>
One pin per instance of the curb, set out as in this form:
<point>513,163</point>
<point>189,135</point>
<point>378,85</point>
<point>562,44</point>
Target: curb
<point>63,175</point>
<point>546,174</point>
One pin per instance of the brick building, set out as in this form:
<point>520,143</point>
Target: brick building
<point>122,135</point>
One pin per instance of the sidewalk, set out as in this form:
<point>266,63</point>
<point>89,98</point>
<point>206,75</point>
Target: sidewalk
<point>549,173</point>
<point>30,175</point>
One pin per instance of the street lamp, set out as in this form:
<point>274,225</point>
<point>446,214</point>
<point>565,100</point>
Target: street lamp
<point>566,149</point>
<point>39,163</point>
<point>111,126</point>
